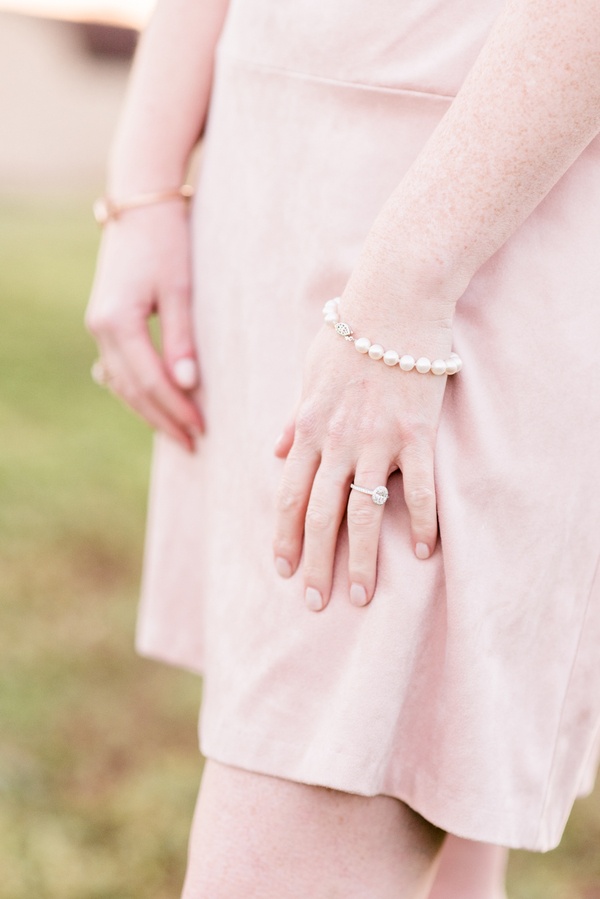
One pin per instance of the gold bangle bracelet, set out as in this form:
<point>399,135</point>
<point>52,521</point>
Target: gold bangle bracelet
<point>106,209</point>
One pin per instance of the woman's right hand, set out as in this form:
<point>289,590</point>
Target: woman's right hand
<point>144,267</point>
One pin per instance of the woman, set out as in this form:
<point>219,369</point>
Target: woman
<point>375,674</point>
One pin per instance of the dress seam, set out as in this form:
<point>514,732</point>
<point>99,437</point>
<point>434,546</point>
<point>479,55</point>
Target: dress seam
<point>340,82</point>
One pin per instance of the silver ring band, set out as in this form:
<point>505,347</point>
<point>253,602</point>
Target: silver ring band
<point>379,495</point>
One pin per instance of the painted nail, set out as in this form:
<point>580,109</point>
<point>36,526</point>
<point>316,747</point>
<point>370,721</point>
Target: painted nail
<point>185,372</point>
<point>314,600</point>
<point>283,567</point>
<point>422,551</point>
<point>358,595</point>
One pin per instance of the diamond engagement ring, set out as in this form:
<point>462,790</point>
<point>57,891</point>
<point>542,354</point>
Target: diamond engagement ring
<point>379,496</point>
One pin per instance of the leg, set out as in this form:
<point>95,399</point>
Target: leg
<point>258,837</point>
<point>469,870</point>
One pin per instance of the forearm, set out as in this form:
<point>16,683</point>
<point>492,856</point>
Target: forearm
<point>528,108</point>
<point>167,97</point>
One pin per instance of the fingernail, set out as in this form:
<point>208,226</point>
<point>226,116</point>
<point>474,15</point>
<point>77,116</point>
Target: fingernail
<point>422,551</point>
<point>314,600</point>
<point>185,372</point>
<point>283,567</point>
<point>358,595</point>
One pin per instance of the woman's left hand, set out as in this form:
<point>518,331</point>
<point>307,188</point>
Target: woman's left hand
<point>359,420</point>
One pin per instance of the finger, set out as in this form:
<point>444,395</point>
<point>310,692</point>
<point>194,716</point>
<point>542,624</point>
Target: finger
<point>292,501</point>
<point>364,526</point>
<point>419,494</point>
<point>159,421</point>
<point>284,442</point>
<point>150,378</point>
<point>123,387</point>
<point>177,333</point>
<point>326,507</point>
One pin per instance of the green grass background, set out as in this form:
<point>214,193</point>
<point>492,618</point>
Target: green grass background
<point>99,764</point>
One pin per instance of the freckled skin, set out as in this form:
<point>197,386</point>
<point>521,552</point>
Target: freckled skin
<point>529,106</point>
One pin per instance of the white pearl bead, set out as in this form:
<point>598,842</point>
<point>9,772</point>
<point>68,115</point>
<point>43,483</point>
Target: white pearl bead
<point>451,367</point>
<point>376,351</point>
<point>455,356</point>
<point>391,357</point>
<point>362,344</point>
<point>331,318</point>
<point>407,363</point>
<point>331,304</point>
<point>438,367</point>
<point>423,365</point>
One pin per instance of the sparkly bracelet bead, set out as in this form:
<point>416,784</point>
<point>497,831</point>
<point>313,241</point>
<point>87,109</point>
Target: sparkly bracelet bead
<point>406,362</point>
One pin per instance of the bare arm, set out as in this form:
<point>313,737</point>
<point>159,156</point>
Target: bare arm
<point>528,108</point>
<point>144,265</point>
<point>167,98</point>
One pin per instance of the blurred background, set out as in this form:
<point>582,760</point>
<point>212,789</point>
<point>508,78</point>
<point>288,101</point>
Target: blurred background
<point>99,763</point>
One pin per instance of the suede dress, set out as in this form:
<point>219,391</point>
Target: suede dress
<point>469,688</point>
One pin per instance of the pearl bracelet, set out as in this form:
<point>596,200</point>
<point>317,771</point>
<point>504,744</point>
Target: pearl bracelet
<point>450,366</point>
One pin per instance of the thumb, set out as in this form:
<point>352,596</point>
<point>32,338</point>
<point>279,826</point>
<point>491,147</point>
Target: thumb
<point>283,444</point>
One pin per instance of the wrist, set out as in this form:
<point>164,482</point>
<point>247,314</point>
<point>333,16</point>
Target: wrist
<point>419,266</point>
<point>109,208</point>
<point>441,361</point>
<point>400,302</point>
<point>132,171</point>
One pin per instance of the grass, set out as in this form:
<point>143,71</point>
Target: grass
<point>98,758</point>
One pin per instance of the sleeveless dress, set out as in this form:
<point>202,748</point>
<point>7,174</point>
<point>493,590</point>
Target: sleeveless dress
<point>470,687</point>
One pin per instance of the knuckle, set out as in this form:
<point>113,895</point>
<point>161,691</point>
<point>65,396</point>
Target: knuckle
<point>289,500</point>
<point>419,432</point>
<point>284,547</point>
<point>337,430</point>
<point>149,383</point>
<point>307,423</point>
<point>362,516</point>
<point>99,323</point>
<point>318,519</point>
<point>420,497</point>
<point>130,395</point>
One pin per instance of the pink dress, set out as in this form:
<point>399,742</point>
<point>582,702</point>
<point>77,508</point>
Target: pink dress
<point>470,687</point>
